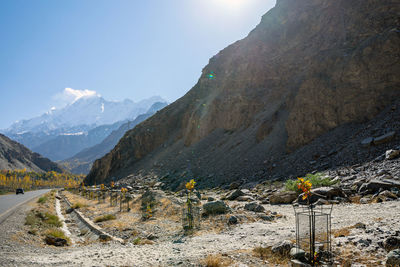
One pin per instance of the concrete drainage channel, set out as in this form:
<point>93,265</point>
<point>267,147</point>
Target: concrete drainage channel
<point>88,229</point>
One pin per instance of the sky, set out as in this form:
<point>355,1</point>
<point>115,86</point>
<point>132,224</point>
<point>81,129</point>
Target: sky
<point>114,48</point>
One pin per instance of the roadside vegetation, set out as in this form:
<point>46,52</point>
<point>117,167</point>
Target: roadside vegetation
<point>42,221</point>
<point>11,180</point>
<point>317,180</point>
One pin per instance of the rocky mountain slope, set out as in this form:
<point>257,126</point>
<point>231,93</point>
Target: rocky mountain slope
<point>15,156</point>
<point>82,161</point>
<point>308,68</point>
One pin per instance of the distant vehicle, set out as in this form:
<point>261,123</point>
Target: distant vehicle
<point>19,191</point>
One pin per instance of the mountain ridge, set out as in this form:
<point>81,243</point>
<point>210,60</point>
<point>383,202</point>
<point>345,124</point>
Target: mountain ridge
<point>16,156</point>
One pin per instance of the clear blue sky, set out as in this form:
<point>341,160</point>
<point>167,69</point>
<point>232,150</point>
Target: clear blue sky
<point>120,49</point>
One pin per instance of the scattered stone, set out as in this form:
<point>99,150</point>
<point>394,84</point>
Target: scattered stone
<point>268,218</point>
<point>360,225</point>
<point>69,210</point>
<point>374,185</point>
<point>384,138</point>
<point>365,200</point>
<point>245,198</point>
<point>234,195</point>
<point>282,198</point>
<point>388,194</point>
<point>254,207</point>
<point>209,199</point>
<point>233,220</point>
<point>393,258</point>
<point>391,243</point>
<point>104,237</point>
<point>216,207</point>
<point>151,236</point>
<point>297,263</point>
<point>297,253</point>
<point>56,241</point>
<point>282,248</point>
<point>392,154</point>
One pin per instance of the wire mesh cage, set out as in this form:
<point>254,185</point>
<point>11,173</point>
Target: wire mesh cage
<point>124,202</point>
<point>313,232</point>
<point>190,216</point>
<point>114,198</point>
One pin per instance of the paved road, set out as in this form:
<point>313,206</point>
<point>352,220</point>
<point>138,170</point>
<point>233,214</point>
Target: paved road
<point>8,202</point>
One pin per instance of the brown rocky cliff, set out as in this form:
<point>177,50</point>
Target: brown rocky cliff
<point>308,67</point>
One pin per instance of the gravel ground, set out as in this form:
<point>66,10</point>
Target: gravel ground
<point>235,242</point>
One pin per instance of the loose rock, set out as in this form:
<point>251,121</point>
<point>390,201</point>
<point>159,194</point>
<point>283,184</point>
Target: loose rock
<point>254,207</point>
<point>216,207</point>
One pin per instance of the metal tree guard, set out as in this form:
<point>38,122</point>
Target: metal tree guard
<point>113,198</point>
<point>190,217</point>
<point>313,232</point>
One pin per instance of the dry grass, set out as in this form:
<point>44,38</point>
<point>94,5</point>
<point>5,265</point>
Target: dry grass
<point>341,232</point>
<point>266,253</point>
<point>78,205</point>
<point>349,254</point>
<point>58,233</point>
<point>216,260</point>
<point>106,217</point>
<point>355,199</point>
<point>141,241</point>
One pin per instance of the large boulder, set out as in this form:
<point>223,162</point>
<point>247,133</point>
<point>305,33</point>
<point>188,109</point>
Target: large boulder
<point>283,197</point>
<point>216,207</point>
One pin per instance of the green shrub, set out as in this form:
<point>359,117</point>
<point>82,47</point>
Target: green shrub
<point>137,241</point>
<point>42,200</point>
<point>52,219</point>
<point>104,218</point>
<point>317,180</point>
<point>57,233</point>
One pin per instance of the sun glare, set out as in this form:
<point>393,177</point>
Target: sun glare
<point>230,4</point>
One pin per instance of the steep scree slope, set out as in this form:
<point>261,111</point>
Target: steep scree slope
<point>307,68</point>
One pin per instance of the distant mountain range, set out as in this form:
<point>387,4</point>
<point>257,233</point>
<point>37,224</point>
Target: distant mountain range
<point>61,133</point>
<point>82,161</point>
<point>16,156</point>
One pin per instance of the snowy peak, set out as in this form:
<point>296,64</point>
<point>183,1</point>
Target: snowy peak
<point>87,108</point>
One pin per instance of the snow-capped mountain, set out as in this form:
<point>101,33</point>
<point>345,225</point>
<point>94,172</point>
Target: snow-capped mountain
<point>85,113</point>
<point>60,133</point>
